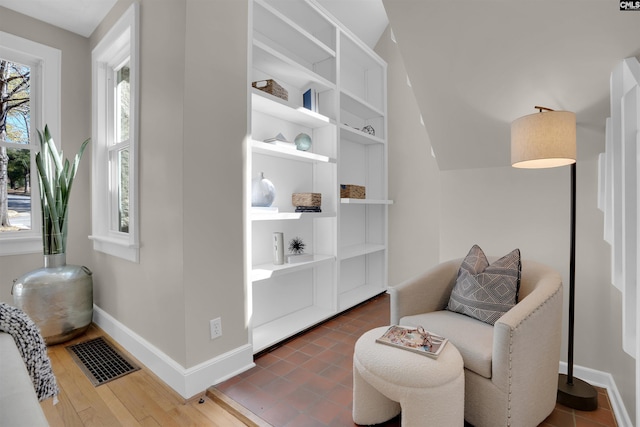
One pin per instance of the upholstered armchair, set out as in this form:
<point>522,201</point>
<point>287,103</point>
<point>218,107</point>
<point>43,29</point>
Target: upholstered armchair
<point>511,368</point>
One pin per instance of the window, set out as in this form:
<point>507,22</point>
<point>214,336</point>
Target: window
<point>114,195</point>
<point>30,88</point>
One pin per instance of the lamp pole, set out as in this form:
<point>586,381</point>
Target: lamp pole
<point>573,392</point>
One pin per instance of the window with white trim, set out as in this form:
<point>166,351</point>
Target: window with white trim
<point>115,123</point>
<point>31,72</point>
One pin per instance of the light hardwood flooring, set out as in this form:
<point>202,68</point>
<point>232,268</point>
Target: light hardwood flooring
<point>137,399</point>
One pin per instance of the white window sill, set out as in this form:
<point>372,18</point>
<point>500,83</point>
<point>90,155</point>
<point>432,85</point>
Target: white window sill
<point>117,247</point>
<point>20,245</point>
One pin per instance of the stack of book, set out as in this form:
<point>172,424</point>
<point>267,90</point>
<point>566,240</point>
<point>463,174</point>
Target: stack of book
<point>308,209</point>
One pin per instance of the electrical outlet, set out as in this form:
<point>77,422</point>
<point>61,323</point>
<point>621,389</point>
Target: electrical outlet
<point>216,328</point>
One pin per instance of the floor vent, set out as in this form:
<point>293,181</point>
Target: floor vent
<point>100,361</point>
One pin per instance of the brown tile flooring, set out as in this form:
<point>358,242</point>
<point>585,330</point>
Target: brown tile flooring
<point>307,381</point>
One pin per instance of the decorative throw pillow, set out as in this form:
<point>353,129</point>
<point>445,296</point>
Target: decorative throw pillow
<point>485,292</point>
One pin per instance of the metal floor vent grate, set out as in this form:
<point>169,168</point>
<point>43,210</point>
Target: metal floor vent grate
<point>100,361</point>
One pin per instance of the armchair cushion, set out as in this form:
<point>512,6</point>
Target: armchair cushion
<point>483,291</point>
<point>473,339</point>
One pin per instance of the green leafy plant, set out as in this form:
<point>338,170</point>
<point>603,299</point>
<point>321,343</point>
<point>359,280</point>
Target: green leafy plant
<point>55,179</point>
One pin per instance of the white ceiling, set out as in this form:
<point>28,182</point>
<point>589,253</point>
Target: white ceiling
<point>476,65</point>
<point>78,16</point>
<point>366,18</point>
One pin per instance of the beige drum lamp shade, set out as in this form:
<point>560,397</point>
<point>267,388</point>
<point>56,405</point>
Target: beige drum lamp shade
<point>543,140</point>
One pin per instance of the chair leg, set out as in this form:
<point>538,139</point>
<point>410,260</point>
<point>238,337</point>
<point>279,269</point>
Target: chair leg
<point>369,405</point>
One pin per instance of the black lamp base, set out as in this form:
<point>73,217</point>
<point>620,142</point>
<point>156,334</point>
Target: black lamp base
<point>580,395</point>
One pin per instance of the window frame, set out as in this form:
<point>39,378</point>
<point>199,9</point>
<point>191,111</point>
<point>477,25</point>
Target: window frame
<point>120,43</point>
<point>46,65</point>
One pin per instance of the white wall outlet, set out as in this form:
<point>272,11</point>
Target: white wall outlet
<point>216,328</point>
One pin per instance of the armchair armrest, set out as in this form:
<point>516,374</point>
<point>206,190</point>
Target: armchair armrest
<point>424,293</point>
<point>527,339</point>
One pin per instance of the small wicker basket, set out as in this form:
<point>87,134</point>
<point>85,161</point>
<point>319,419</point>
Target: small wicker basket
<point>270,86</point>
<point>306,199</point>
<point>348,191</point>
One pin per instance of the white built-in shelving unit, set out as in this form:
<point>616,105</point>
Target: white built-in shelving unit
<point>301,46</point>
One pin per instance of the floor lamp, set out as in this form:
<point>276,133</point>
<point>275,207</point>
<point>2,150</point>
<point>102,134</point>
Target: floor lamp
<point>544,140</point>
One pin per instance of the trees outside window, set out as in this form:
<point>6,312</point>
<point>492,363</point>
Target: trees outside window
<point>15,147</point>
<point>29,98</point>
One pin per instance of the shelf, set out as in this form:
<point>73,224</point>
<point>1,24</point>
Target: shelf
<point>279,108</point>
<point>314,22</point>
<point>359,250</point>
<point>293,38</point>
<point>264,336</point>
<point>357,106</point>
<point>258,216</point>
<point>300,46</point>
<point>288,153</point>
<point>355,135</point>
<point>366,201</point>
<point>268,271</point>
<point>275,64</point>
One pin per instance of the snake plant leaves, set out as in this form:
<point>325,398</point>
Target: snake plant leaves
<point>55,177</point>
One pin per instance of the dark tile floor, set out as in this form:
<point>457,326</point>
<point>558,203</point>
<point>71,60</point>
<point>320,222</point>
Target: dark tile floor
<point>307,381</point>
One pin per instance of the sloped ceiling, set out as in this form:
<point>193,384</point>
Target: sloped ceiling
<point>476,65</point>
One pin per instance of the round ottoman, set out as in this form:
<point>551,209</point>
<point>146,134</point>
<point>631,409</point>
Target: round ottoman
<point>387,380</point>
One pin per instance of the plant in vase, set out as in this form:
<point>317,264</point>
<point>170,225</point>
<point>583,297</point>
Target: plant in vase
<point>57,297</point>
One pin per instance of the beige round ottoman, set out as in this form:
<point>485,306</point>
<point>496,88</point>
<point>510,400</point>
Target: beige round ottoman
<point>387,380</point>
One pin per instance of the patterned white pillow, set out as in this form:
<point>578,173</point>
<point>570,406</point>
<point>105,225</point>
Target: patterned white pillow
<point>485,292</point>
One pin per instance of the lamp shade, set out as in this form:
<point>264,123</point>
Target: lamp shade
<point>543,140</point>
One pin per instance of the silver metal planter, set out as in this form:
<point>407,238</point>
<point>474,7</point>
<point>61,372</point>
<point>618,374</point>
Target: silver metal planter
<point>57,297</point>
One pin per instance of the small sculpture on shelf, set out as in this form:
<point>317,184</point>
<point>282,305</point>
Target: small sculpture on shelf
<point>303,142</point>
<point>369,129</point>
<point>296,247</point>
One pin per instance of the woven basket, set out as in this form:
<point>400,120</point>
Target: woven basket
<point>352,191</point>
<point>270,86</point>
<point>306,199</point>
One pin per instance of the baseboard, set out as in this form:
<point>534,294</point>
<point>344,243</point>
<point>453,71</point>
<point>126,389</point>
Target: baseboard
<point>187,382</point>
<point>604,380</point>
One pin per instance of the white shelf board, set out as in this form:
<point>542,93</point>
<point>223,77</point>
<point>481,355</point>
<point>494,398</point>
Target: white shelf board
<point>268,334</point>
<point>268,271</point>
<point>289,153</point>
<point>353,251</point>
<point>356,296</point>
<point>358,106</point>
<point>276,26</point>
<point>356,135</point>
<point>259,216</point>
<point>279,66</point>
<point>315,22</point>
<point>366,201</point>
<point>273,106</point>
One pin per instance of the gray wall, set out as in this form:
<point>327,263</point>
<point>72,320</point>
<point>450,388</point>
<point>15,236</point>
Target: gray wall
<point>193,121</point>
<point>414,179</point>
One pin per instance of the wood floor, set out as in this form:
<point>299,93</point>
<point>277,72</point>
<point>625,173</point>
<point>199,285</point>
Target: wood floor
<point>137,399</point>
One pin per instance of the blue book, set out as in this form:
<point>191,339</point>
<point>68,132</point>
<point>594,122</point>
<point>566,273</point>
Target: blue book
<point>308,99</point>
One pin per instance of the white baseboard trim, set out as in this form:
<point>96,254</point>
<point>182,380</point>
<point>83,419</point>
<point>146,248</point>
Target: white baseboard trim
<point>604,380</point>
<point>187,382</point>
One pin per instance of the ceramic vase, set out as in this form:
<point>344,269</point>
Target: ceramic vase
<point>263,191</point>
<point>58,298</point>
